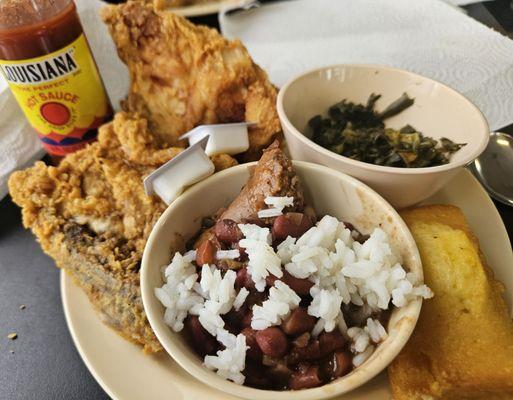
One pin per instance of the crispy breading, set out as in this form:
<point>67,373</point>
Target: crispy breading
<point>91,215</point>
<point>184,75</point>
<point>462,347</point>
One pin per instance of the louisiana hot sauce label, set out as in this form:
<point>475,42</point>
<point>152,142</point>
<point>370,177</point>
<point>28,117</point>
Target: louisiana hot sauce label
<point>61,94</point>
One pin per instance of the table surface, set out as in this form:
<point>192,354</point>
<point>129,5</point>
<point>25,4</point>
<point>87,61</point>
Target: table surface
<point>43,362</point>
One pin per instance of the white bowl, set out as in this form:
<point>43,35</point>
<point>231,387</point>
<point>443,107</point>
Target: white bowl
<point>438,111</point>
<point>329,192</point>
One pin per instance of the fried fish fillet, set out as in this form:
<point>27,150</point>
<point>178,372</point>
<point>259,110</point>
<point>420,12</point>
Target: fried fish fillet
<point>462,347</point>
<point>183,75</point>
<point>91,215</point>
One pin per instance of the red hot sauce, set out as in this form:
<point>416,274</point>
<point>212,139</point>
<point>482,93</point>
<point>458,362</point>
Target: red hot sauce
<point>47,62</point>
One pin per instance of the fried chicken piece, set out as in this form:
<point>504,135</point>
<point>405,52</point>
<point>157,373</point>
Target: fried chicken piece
<point>183,75</point>
<point>91,215</point>
<point>462,347</point>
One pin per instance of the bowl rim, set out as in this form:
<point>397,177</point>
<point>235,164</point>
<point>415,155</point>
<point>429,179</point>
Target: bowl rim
<point>331,389</point>
<point>373,167</point>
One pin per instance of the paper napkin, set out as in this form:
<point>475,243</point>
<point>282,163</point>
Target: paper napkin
<point>429,37</point>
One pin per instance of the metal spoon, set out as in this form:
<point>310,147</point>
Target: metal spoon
<point>494,168</point>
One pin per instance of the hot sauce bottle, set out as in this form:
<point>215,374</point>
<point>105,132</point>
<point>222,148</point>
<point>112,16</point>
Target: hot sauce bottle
<point>47,62</point>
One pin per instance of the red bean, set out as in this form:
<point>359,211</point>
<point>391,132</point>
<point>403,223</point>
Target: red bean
<point>246,319</point>
<point>331,341</point>
<point>203,341</point>
<point>227,231</point>
<point>256,375</point>
<point>300,286</point>
<point>280,375</point>
<point>270,279</point>
<point>301,340</point>
<point>298,322</point>
<point>310,352</point>
<point>304,380</point>
<point>272,341</point>
<point>233,320</point>
<point>338,365</point>
<point>290,224</point>
<point>206,253</point>
<point>303,366</point>
<point>255,297</point>
<point>243,279</point>
<point>254,352</point>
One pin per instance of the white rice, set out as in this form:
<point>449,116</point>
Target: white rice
<point>255,232</point>
<point>177,294</point>
<point>364,339</point>
<point>360,339</point>
<point>277,205</point>
<point>227,254</point>
<point>262,258</point>
<point>230,363</point>
<point>359,359</point>
<point>220,290</point>
<point>240,298</point>
<point>325,306</point>
<point>343,271</point>
<point>282,299</point>
<point>190,255</point>
<point>279,202</point>
<point>308,260</point>
<point>226,338</point>
<point>324,234</point>
<point>210,319</point>
<point>270,213</point>
<point>375,330</point>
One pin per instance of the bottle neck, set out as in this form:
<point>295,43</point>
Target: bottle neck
<point>23,13</point>
<point>40,34</point>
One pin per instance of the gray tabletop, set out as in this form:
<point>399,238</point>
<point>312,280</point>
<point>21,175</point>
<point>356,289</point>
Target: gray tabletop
<point>42,362</point>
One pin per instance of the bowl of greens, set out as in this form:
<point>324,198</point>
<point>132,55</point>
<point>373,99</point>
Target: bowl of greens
<point>401,133</point>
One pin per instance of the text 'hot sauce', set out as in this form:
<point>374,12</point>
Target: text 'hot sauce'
<point>46,60</point>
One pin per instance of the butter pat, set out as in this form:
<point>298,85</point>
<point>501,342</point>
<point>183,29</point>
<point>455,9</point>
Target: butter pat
<point>187,168</point>
<point>222,138</point>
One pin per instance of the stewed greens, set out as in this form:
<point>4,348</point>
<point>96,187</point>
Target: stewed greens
<point>358,131</point>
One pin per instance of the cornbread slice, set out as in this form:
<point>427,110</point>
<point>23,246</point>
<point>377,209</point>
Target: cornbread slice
<point>462,347</point>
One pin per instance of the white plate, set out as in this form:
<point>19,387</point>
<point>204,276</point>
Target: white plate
<point>204,9</point>
<point>125,373</point>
